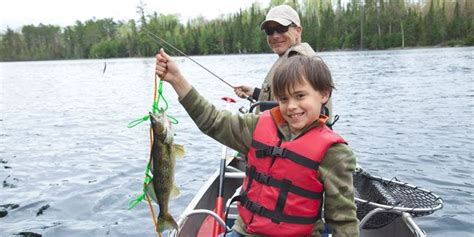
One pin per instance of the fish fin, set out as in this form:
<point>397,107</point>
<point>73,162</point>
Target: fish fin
<point>179,150</point>
<point>167,223</point>
<point>175,192</point>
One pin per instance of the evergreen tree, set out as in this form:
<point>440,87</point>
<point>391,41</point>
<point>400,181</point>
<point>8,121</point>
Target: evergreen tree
<point>328,25</point>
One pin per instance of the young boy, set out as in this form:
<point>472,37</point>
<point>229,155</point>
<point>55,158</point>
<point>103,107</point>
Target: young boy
<point>294,159</point>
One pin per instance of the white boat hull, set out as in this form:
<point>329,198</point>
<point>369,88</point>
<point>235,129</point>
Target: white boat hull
<point>192,225</point>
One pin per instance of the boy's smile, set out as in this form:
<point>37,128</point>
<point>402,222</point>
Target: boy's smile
<point>301,105</point>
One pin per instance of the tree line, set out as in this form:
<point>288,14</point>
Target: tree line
<point>327,25</point>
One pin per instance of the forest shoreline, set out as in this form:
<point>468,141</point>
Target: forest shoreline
<point>236,54</point>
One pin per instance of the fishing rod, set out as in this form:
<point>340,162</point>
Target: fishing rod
<point>185,55</point>
<point>194,61</point>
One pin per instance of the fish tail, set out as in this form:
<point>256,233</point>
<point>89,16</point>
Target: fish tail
<point>167,222</point>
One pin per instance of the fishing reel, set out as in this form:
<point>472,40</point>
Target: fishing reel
<point>243,110</point>
<point>262,105</point>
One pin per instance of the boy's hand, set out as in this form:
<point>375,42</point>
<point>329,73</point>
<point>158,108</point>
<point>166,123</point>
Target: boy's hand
<point>166,68</point>
<point>168,71</point>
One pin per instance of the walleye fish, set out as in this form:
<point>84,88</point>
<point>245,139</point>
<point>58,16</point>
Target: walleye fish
<point>162,165</point>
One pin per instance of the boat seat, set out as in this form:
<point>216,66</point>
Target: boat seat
<point>233,173</point>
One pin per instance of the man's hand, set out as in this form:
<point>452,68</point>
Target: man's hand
<point>244,91</point>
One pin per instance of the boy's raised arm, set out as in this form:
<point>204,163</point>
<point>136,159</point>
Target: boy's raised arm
<point>230,129</point>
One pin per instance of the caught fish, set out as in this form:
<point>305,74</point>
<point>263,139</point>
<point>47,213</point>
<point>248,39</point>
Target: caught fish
<point>162,165</point>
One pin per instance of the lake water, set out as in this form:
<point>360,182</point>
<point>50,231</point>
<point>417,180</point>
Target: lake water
<point>69,164</point>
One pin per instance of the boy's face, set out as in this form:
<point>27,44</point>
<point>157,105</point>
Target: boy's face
<point>302,105</point>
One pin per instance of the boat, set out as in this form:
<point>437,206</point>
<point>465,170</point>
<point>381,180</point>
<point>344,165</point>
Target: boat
<point>386,207</point>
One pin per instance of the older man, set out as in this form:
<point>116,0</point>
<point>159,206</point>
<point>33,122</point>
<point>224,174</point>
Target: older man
<point>283,29</point>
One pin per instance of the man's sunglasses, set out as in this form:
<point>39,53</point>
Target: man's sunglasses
<point>279,29</point>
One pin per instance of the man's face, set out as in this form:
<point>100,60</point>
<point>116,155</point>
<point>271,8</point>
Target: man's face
<point>280,42</point>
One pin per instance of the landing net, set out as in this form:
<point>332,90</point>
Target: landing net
<point>393,196</point>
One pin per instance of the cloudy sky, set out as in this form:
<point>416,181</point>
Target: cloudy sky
<point>16,13</point>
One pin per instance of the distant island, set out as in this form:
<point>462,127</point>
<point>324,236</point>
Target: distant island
<point>377,24</point>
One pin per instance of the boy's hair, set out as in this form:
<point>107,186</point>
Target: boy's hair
<point>298,68</point>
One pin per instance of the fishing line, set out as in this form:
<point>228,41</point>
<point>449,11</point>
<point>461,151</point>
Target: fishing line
<point>155,106</point>
<point>186,56</point>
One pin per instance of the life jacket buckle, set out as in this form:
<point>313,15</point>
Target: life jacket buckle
<point>262,178</point>
<point>253,207</point>
<point>277,151</point>
<point>258,208</point>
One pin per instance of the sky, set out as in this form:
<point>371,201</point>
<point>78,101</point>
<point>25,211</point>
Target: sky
<point>16,13</point>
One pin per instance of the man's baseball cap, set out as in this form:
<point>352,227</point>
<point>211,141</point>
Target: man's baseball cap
<point>283,15</point>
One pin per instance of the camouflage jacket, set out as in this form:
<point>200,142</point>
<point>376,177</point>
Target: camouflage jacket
<point>265,92</point>
<point>235,131</point>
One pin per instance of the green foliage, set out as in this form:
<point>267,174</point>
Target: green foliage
<point>470,40</point>
<point>108,49</point>
<point>327,24</point>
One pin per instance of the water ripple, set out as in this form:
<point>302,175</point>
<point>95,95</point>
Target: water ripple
<point>67,152</point>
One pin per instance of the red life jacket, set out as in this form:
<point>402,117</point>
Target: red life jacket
<point>281,194</point>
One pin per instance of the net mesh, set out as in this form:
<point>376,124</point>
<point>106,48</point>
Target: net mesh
<point>372,192</point>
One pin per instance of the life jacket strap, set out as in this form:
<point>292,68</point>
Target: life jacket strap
<point>263,150</point>
<point>274,215</point>
<point>282,184</point>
